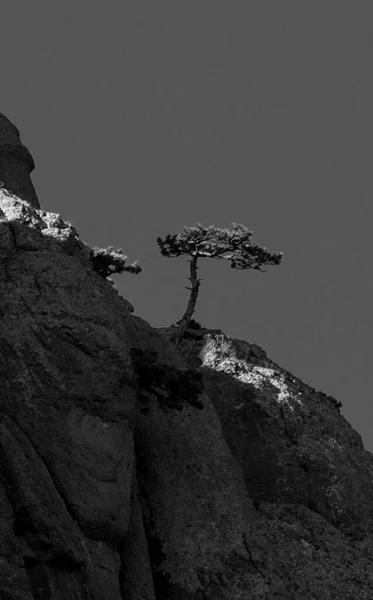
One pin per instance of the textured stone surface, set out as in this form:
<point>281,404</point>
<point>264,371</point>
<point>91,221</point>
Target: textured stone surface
<point>291,442</point>
<point>16,163</point>
<point>262,490</point>
<point>68,405</point>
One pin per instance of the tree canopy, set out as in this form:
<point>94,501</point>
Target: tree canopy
<point>107,261</point>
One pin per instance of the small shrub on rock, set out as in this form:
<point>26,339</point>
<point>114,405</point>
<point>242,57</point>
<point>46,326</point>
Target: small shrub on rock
<point>192,324</point>
<point>172,387</point>
<point>107,261</point>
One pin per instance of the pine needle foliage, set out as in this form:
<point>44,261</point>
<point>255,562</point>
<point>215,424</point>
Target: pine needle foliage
<point>107,261</point>
<point>212,242</point>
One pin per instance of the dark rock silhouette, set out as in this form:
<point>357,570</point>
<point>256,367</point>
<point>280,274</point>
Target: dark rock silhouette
<point>133,469</point>
<point>16,163</point>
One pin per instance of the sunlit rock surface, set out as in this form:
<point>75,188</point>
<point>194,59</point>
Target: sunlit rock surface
<point>126,475</point>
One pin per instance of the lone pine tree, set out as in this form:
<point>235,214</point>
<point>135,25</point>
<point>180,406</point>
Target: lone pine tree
<point>211,242</point>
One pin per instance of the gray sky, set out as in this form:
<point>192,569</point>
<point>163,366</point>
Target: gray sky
<point>143,117</point>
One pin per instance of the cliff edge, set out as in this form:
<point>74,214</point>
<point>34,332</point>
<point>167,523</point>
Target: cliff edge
<point>131,468</point>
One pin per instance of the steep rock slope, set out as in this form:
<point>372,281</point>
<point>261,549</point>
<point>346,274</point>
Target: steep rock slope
<point>291,442</point>
<point>130,468</point>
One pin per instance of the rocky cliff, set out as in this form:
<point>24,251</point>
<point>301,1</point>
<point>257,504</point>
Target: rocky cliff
<point>134,469</point>
<point>16,163</point>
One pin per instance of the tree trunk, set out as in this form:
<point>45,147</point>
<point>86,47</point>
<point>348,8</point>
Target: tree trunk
<point>192,299</point>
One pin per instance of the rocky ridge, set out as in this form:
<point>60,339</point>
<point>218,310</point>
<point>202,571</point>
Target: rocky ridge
<point>132,468</point>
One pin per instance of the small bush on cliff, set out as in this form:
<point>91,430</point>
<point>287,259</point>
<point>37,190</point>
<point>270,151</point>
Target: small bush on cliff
<point>107,261</point>
<point>211,242</point>
<point>172,387</point>
<point>192,324</point>
<point>337,403</point>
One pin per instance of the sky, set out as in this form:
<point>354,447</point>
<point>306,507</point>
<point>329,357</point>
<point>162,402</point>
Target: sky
<point>144,117</point>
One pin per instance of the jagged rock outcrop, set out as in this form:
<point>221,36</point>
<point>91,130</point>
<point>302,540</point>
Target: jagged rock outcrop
<point>16,163</point>
<point>132,468</point>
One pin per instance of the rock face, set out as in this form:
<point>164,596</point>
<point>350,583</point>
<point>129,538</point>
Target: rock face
<point>16,163</point>
<point>133,469</point>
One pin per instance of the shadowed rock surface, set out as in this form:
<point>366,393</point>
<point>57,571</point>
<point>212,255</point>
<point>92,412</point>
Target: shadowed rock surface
<point>16,163</point>
<point>133,469</point>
